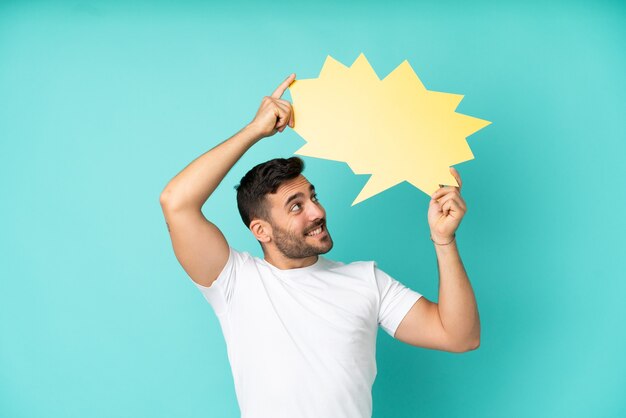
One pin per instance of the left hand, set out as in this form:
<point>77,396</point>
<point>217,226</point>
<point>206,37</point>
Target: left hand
<point>446,210</point>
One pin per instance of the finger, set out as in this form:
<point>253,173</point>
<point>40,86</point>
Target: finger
<point>286,107</point>
<point>445,208</point>
<point>285,115</point>
<point>457,176</point>
<point>285,102</point>
<point>450,206</point>
<point>289,109</point>
<point>453,209</point>
<point>283,86</point>
<point>453,197</point>
<point>435,204</point>
<point>283,119</point>
<point>441,192</point>
<point>282,106</point>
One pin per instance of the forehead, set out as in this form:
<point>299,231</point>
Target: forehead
<point>288,189</point>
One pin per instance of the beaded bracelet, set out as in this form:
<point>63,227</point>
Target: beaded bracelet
<point>453,238</point>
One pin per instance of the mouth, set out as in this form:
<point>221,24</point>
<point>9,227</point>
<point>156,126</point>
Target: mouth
<point>318,232</point>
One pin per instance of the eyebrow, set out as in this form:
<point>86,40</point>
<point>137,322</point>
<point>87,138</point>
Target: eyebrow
<point>299,194</point>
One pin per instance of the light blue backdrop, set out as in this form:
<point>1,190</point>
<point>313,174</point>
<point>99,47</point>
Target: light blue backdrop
<point>102,103</point>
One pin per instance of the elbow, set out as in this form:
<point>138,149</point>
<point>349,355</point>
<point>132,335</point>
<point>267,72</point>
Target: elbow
<point>171,201</point>
<point>163,198</point>
<point>466,346</point>
<point>166,199</point>
<point>473,342</point>
<point>474,345</point>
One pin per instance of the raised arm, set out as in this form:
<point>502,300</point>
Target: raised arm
<point>199,245</point>
<point>452,324</point>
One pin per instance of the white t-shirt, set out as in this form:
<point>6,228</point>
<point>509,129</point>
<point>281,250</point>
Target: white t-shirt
<point>302,342</point>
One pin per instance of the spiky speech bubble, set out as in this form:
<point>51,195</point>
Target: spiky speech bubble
<point>393,129</point>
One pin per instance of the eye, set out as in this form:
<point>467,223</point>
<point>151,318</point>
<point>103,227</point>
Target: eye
<point>296,206</point>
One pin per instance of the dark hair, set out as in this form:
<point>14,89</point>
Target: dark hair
<point>262,179</point>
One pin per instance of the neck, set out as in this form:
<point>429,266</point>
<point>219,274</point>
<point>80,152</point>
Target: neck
<point>285,263</point>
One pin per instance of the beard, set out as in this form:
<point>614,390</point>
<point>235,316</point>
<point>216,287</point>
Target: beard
<point>293,245</point>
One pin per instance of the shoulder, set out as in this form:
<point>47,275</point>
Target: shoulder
<point>237,258</point>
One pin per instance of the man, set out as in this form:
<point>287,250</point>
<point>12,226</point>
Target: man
<point>300,328</point>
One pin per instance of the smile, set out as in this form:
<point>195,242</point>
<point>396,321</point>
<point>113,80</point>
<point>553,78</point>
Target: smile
<point>317,231</point>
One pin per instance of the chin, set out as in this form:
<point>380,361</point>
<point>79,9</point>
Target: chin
<point>326,249</point>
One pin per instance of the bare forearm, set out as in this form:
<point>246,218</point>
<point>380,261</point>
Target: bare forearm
<point>196,182</point>
<point>457,304</point>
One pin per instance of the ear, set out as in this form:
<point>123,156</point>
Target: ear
<point>261,230</point>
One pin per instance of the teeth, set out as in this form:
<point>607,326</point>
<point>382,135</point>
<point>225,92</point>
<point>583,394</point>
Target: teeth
<point>315,232</point>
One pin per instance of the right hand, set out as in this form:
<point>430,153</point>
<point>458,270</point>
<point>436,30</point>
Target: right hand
<point>275,113</point>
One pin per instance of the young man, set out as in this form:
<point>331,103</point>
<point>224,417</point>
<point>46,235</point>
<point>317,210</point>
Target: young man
<point>300,328</point>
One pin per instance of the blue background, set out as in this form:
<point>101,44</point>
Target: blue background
<point>102,103</point>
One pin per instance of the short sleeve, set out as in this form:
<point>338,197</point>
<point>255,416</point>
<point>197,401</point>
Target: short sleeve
<point>395,301</point>
<point>221,291</point>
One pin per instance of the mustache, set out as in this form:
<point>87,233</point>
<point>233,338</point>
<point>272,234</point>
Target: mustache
<point>321,223</point>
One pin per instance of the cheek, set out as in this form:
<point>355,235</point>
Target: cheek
<point>295,227</point>
<point>301,227</point>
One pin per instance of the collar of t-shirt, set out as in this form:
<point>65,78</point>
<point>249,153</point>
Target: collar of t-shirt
<point>318,265</point>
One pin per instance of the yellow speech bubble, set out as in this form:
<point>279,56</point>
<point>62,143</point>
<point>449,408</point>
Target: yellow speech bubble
<point>393,129</point>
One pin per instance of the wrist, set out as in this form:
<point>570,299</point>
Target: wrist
<point>439,240</point>
<point>253,132</point>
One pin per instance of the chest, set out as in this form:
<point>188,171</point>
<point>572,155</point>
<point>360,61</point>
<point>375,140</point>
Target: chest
<point>333,313</point>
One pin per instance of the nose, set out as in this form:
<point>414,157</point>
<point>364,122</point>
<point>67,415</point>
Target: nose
<point>315,211</point>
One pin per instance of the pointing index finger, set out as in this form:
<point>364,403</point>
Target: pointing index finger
<point>281,89</point>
